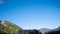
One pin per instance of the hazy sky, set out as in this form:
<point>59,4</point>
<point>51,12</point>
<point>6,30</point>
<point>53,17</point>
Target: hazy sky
<point>31,14</point>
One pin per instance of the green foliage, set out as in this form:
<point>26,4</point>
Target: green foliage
<point>9,28</point>
<point>23,32</point>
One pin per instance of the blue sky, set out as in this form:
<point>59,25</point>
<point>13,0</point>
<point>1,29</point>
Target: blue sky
<point>31,14</point>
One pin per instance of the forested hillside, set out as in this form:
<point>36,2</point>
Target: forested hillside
<point>9,27</point>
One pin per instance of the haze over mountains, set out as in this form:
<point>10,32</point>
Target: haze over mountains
<point>6,26</point>
<point>43,30</point>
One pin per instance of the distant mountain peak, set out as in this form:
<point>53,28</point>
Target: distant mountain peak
<point>43,30</point>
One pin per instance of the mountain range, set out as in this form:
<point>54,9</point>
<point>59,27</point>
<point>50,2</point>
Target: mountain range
<point>9,27</point>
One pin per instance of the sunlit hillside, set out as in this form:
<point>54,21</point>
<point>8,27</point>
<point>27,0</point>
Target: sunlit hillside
<point>6,26</point>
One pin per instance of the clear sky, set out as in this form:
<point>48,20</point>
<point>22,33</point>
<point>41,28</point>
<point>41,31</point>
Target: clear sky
<point>31,14</point>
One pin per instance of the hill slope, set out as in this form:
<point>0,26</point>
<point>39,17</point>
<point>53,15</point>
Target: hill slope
<point>8,27</point>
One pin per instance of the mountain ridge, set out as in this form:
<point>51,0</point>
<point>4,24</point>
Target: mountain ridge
<point>8,27</point>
